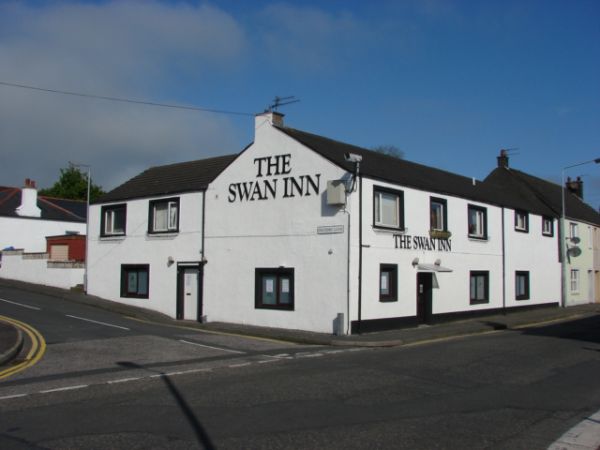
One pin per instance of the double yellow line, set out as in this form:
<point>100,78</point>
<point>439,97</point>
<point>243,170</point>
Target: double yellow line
<point>37,350</point>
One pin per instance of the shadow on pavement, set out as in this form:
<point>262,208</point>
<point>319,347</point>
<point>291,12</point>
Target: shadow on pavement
<point>585,329</point>
<point>201,434</point>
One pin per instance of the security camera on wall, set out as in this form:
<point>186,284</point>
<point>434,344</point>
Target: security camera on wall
<point>352,157</point>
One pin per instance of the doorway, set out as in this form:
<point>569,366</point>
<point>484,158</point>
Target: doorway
<point>189,292</point>
<point>424,295</point>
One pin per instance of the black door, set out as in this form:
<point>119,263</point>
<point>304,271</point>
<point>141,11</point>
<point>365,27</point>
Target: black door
<point>424,286</point>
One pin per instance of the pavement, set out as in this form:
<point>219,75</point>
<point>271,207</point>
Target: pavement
<point>11,338</point>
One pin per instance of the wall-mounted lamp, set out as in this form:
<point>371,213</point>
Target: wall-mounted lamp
<point>415,262</point>
<point>438,262</point>
<point>170,261</point>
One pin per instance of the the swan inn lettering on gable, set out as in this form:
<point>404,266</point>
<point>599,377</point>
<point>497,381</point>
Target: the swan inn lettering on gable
<point>271,181</point>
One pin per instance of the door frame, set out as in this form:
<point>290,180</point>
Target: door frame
<point>181,268</point>
<point>425,312</point>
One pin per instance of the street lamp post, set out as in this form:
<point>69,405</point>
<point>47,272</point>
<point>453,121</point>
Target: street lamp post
<point>563,236</point>
<point>87,221</point>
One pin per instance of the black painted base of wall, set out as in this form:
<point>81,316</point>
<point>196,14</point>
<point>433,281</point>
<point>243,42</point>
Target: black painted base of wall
<point>394,323</point>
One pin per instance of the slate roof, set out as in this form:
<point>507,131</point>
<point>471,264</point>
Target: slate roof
<point>59,209</point>
<point>524,191</point>
<point>504,187</point>
<point>400,171</point>
<point>170,179</point>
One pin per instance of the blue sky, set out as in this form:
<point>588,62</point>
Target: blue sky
<point>448,82</point>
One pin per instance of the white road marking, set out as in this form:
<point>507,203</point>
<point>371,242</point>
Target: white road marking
<point>97,322</point>
<point>13,396</point>
<point>583,436</point>
<point>233,366</point>
<point>21,304</point>
<point>266,361</point>
<point>68,388</point>
<point>124,380</point>
<point>214,348</point>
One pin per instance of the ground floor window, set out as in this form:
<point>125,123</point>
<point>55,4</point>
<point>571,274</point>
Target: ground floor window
<point>388,284</point>
<point>574,280</point>
<point>522,285</point>
<point>274,288</point>
<point>479,287</point>
<point>135,280</point>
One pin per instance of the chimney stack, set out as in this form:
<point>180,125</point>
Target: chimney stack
<point>575,186</point>
<point>29,207</point>
<point>503,159</point>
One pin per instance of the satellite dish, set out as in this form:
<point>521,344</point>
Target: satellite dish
<point>575,240</point>
<point>574,252</point>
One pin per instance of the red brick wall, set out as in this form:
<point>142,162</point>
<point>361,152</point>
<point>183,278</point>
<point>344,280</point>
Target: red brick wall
<point>76,245</point>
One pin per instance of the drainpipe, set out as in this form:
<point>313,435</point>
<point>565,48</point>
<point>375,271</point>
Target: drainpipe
<point>503,267</point>
<point>360,249</point>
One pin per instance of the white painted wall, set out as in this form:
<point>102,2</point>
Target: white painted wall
<point>244,235</point>
<point>107,254</point>
<point>35,269</point>
<point>536,253</point>
<point>466,255</point>
<point>584,263</point>
<point>30,234</point>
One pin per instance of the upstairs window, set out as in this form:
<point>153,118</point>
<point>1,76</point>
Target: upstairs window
<point>522,285</point>
<point>113,220</point>
<point>164,216</point>
<point>521,221</point>
<point>573,230</point>
<point>547,226</point>
<point>477,222</point>
<point>388,208</point>
<point>438,214</point>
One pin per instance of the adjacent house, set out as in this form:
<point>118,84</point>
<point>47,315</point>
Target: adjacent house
<point>26,218</point>
<point>304,232</point>
<point>146,240</point>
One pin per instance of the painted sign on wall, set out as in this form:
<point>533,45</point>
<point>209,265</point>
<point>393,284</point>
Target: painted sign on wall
<point>273,180</point>
<point>409,242</point>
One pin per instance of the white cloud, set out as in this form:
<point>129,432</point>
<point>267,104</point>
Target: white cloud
<point>127,49</point>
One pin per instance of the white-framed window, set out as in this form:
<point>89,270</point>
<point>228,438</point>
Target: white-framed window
<point>521,221</point>
<point>574,280</point>
<point>388,208</point>
<point>547,226</point>
<point>438,214</point>
<point>477,222</point>
<point>164,216</point>
<point>113,220</point>
<point>573,230</point>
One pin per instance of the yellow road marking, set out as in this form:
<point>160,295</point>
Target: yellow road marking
<point>37,350</point>
<point>223,333</point>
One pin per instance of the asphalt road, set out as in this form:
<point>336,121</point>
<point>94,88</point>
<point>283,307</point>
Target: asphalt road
<point>148,386</point>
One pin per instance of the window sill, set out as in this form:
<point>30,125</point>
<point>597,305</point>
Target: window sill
<point>478,239</point>
<point>388,229</point>
<point>162,234</point>
<point>521,230</point>
<point>116,237</point>
<point>479,302</point>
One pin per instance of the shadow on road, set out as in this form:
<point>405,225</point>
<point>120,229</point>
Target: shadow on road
<point>586,329</point>
<point>201,434</point>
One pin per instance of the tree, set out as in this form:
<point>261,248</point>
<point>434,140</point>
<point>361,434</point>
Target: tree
<point>72,184</point>
<point>390,150</point>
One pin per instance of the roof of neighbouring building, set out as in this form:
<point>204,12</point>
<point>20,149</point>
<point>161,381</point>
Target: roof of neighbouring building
<point>59,209</point>
<point>170,179</point>
<point>527,192</point>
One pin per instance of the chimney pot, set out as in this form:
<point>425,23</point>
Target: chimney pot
<point>503,159</point>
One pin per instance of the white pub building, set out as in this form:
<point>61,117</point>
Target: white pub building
<point>303,232</point>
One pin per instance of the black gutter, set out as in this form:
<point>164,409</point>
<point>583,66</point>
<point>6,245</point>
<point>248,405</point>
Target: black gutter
<point>360,251</point>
